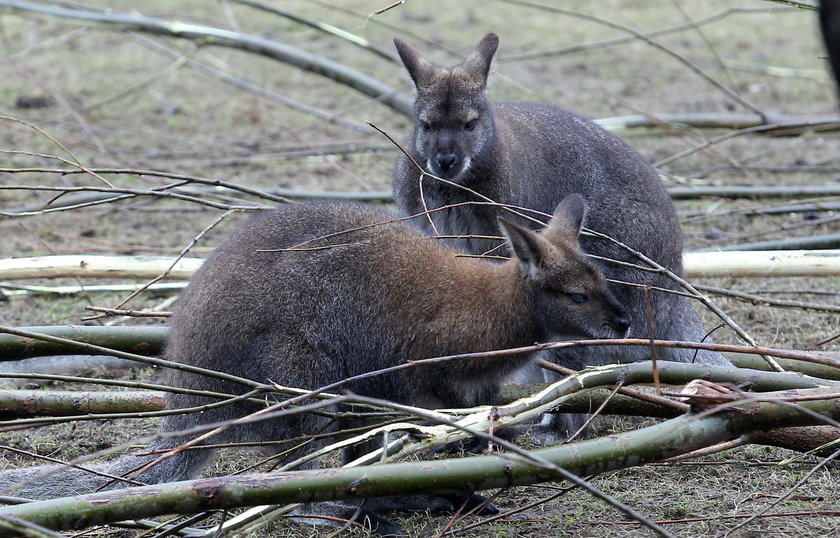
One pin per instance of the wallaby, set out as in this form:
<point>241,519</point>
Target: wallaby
<point>349,290</point>
<point>532,156</point>
<point>829,19</point>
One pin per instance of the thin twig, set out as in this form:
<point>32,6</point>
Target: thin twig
<point>729,92</point>
<point>218,220</point>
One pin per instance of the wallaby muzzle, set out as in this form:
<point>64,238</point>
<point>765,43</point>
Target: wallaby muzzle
<point>446,160</point>
<point>620,321</point>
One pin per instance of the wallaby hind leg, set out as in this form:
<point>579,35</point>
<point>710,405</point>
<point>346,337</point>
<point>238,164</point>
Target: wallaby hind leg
<point>369,512</point>
<point>331,514</point>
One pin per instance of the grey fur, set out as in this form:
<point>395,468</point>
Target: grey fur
<point>533,156</point>
<point>349,303</point>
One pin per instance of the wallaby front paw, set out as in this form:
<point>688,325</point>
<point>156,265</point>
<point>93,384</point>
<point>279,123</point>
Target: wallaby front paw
<point>472,502</point>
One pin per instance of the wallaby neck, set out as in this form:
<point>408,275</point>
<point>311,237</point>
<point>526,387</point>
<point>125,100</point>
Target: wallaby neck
<point>490,306</point>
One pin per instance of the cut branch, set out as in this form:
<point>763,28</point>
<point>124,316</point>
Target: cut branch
<point>697,264</point>
<point>139,267</point>
<point>141,339</point>
<point>40,403</point>
<point>763,263</point>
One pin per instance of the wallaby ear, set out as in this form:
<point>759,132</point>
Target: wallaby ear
<point>419,68</point>
<point>478,62</point>
<point>528,247</point>
<point>568,217</point>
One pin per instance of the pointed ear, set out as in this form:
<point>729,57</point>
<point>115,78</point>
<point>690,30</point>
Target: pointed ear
<point>528,247</point>
<point>477,64</point>
<point>419,68</point>
<point>568,218</point>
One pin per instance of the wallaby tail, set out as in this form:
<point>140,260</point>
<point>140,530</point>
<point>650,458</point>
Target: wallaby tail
<point>53,481</point>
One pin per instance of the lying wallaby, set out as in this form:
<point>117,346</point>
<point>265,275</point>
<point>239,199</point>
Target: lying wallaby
<point>333,303</point>
<point>532,156</point>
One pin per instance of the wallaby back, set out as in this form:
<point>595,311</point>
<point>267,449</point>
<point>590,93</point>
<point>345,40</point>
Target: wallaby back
<point>532,156</point>
<point>348,290</point>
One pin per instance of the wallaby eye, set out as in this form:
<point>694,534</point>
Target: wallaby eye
<point>471,125</point>
<point>578,298</point>
<point>425,126</point>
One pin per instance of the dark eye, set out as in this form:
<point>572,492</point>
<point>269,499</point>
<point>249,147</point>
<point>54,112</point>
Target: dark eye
<point>577,298</point>
<point>425,126</point>
<point>470,125</point>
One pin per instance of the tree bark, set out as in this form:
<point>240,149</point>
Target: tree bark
<point>139,339</point>
<point>42,403</point>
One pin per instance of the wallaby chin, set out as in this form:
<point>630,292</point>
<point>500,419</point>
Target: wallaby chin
<point>612,332</point>
<point>455,174</point>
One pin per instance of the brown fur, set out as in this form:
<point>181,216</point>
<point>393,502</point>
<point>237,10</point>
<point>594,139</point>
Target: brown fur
<point>354,302</point>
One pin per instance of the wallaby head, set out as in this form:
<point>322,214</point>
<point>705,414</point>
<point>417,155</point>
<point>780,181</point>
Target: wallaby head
<point>453,118</point>
<point>570,294</point>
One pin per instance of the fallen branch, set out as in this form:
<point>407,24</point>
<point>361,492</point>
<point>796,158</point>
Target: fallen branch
<point>763,263</point>
<point>765,210</point>
<point>753,192</point>
<point>811,369</point>
<point>139,267</point>
<point>140,339</point>
<point>226,38</point>
<point>9,290</point>
<point>790,125</point>
<point>130,313</point>
<point>825,241</point>
<point>328,29</point>
<point>768,301</point>
<point>697,264</point>
<point>41,403</point>
<point>250,86</point>
<point>668,439</point>
<point>37,370</point>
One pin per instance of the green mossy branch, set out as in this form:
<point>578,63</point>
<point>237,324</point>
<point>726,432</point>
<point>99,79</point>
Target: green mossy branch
<point>671,438</point>
<point>141,340</point>
<point>30,403</point>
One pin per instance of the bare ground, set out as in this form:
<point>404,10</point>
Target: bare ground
<point>186,122</point>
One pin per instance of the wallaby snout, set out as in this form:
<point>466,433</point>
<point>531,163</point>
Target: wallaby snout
<point>446,160</point>
<point>619,321</point>
<point>570,294</point>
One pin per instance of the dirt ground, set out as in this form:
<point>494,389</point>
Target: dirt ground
<point>115,99</point>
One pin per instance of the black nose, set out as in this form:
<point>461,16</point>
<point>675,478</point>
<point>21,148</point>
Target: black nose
<point>446,160</point>
<point>620,322</point>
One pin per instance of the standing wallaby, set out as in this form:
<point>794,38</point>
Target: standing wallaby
<point>532,156</point>
<point>350,290</point>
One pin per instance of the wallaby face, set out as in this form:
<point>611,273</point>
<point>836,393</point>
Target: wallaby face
<point>571,293</point>
<point>453,121</point>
